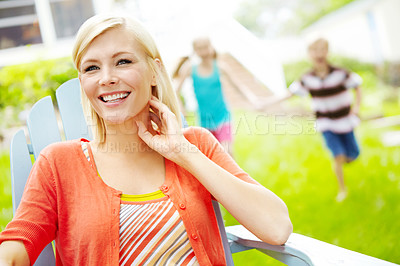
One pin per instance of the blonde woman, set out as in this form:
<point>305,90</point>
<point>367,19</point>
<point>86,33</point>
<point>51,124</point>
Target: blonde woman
<point>141,191</point>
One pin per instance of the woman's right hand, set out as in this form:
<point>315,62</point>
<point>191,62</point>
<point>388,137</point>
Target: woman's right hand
<point>168,140</point>
<point>13,253</point>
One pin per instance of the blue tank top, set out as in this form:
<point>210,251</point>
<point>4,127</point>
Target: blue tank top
<point>213,110</point>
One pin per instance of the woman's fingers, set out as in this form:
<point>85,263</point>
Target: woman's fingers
<point>159,106</point>
<point>143,132</point>
<point>166,115</point>
<point>155,121</point>
<point>167,137</point>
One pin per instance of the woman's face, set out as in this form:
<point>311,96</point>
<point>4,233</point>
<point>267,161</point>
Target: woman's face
<point>115,76</point>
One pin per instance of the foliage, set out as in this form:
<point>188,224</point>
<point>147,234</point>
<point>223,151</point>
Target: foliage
<point>23,85</point>
<point>318,10</point>
<point>5,191</point>
<point>274,17</point>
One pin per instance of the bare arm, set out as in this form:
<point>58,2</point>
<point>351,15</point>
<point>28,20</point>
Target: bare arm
<point>272,100</point>
<point>357,101</point>
<point>254,206</point>
<point>13,253</point>
<point>243,89</point>
<point>181,75</point>
<point>184,73</point>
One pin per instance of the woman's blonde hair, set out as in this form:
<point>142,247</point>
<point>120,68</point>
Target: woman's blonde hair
<point>99,24</point>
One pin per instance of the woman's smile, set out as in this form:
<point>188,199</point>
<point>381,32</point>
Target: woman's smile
<point>114,97</point>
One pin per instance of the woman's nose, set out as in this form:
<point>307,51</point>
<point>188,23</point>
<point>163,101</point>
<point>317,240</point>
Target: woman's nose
<point>108,77</point>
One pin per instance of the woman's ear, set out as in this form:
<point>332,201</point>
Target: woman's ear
<point>154,80</point>
<point>158,62</point>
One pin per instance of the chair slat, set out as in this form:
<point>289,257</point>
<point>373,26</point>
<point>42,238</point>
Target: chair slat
<point>20,164</point>
<point>221,226</point>
<point>46,258</point>
<point>42,125</point>
<point>69,104</point>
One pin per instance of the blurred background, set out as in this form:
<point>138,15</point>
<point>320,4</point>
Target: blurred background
<point>264,43</point>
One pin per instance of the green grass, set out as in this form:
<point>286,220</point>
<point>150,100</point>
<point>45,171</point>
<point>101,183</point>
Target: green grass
<point>5,190</point>
<point>286,155</point>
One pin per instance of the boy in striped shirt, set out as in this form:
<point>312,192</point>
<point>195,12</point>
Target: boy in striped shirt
<point>336,113</point>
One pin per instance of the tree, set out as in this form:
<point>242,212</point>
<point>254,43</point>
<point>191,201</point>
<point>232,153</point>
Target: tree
<point>274,18</point>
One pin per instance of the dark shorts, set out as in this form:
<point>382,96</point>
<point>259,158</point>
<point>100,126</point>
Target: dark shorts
<point>342,144</point>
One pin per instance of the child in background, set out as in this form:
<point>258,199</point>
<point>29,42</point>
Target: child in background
<point>213,110</point>
<point>332,103</point>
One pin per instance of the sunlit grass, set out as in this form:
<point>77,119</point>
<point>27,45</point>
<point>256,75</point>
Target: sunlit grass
<point>293,162</point>
<point>5,190</point>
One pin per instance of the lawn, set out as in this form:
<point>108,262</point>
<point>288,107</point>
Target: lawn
<point>5,190</point>
<point>286,155</point>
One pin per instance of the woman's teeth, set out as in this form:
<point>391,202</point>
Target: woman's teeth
<point>114,97</point>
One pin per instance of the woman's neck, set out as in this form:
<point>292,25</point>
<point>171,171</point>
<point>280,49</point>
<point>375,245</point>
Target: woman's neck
<point>123,139</point>
<point>120,144</point>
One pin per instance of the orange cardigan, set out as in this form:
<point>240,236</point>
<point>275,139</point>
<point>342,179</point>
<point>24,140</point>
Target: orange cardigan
<point>65,200</point>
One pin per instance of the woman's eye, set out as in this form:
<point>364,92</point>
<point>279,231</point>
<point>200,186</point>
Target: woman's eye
<point>124,61</point>
<point>91,68</point>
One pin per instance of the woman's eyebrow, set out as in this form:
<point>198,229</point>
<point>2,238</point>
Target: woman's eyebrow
<point>122,53</point>
<point>89,60</point>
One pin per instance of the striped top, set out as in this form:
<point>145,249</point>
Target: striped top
<point>151,230</point>
<point>331,98</point>
<point>152,233</point>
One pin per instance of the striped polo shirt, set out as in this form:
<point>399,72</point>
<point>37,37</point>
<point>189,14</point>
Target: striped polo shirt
<point>151,231</point>
<point>331,98</point>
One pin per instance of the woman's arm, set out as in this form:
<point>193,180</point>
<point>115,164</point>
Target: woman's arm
<point>13,253</point>
<point>254,206</point>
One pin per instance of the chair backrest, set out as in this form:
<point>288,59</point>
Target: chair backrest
<point>43,130</point>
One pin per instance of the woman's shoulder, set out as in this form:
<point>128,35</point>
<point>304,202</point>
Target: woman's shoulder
<point>200,137</point>
<point>62,148</point>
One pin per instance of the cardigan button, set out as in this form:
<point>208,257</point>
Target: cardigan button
<point>164,188</point>
<point>194,236</point>
<point>182,206</point>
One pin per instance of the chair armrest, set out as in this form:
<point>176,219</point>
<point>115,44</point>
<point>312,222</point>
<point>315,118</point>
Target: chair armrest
<point>241,239</point>
<point>300,250</point>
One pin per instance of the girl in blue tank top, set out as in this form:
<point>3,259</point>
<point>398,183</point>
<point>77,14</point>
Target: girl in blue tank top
<point>213,110</point>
